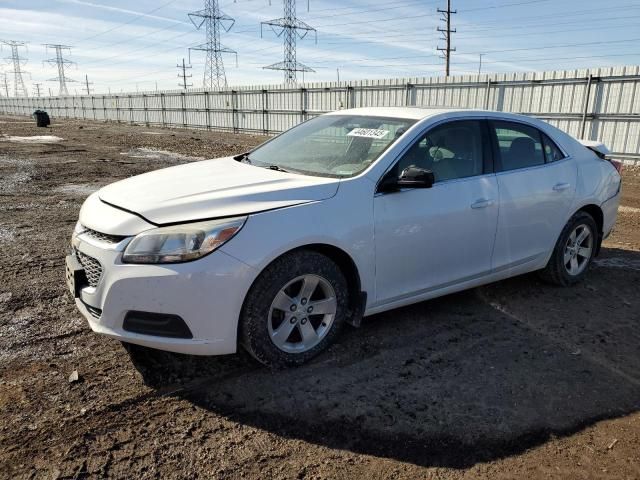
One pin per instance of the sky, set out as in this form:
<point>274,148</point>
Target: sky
<point>128,46</point>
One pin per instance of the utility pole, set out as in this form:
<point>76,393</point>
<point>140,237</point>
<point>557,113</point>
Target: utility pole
<point>214,20</point>
<point>50,92</point>
<point>61,63</point>
<point>446,35</point>
<point>87,84</point>
<point>480,64</point>
<point>19,88</point>
<point>37,85</point>
<point>290,28</point>
<point>183,75</point>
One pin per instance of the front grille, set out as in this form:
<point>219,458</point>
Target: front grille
<point>103,237</point>
<point>92,268</point>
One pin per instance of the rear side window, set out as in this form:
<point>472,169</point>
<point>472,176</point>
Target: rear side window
<point>519,145</point>
<point>551,151</point>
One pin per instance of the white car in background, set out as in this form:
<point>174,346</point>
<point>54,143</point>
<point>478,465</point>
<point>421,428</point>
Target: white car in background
<point>349,214</point>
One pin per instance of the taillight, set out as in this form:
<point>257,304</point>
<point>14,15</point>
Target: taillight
<point>617,165</point>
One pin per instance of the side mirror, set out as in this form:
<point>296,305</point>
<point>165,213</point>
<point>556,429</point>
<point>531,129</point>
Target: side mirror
<point>411,177</point>
<point>415,177</point>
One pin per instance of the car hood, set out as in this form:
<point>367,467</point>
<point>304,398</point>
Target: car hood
<point>213,188</point>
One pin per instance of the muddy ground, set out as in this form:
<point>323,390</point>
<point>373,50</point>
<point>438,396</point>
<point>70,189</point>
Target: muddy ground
<point>517,379</point>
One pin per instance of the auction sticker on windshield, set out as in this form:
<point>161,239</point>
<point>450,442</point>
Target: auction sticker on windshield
<point>368,133</point>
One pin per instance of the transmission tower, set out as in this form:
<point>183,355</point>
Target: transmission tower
<point>87,84</point>
<point>184,75</point>
<point>214,20</point>
<point>5,84</point>
<point>19,87</point>
<point>61,63</point>
<point>290,28</point>
<point>37,85</point>
<point>446,34</point>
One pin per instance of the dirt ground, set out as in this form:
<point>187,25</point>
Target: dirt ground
<point>517,379</point>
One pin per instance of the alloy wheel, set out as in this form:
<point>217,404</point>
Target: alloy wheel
<point>578,249</point>
<point>302,313</point>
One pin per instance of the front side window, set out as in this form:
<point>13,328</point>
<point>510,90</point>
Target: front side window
<point>519,145</point>
<point>451,150</point>
<point>331,145</point>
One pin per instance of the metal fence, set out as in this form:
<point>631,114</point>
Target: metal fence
<point>598,104</point>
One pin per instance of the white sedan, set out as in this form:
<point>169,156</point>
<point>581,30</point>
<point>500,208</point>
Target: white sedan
<point>349,214</point>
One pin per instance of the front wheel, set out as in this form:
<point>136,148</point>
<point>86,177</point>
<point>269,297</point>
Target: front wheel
<point>294,309</point>
<point>573,252</point>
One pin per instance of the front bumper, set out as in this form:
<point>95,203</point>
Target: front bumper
<point>207,294</point>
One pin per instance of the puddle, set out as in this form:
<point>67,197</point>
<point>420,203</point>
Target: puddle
<point>162,155</point>
<point>32,139</point>
<point>77,188</point>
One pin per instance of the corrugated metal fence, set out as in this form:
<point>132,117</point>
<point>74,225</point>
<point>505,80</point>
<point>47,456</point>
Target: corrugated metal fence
<point>599,104</point>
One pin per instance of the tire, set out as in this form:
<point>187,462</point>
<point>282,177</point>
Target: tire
<point>560,272</point>
<point>283,284</point>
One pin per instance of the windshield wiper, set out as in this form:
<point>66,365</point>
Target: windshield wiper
<point>243,157</point>
<point>276,167</point>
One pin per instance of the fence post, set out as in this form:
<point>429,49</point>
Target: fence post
<point>146,112</point>
<point>265,112</point>
<point>351,101</point>
<point>411,94</point>
<point>207,107</point>
<point>303,104</point>
<point>164,123</point>
<point>234,110</point>
<point>184,109</point>
<point>585,106</point>
<point>93,107</point>
<point>486,96</point>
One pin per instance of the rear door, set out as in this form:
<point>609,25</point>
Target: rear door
<point>537,183</point>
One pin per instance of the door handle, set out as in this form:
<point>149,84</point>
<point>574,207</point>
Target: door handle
<point>482,203</point>
<point>558,187</point>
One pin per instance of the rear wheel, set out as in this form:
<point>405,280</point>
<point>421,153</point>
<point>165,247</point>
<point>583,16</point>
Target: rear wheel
<point>294,310</point>
<point>573,252</point>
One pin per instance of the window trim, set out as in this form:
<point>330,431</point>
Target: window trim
<point>488,155</point>
<point>497,154</point>
<point>546,138</point>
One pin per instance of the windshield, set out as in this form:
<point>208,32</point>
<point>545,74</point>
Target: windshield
<point>331,145</point>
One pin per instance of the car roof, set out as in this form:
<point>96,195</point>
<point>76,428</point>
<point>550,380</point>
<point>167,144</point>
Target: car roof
<point>414,113</point>
<point>421,113</point>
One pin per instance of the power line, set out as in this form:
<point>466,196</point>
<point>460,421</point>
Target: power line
<point>19,87</point>
<point>213,20</point>
<point>128,21</point>
<point>62,63</point>
<point>291,28</point>
<point>184,75</point>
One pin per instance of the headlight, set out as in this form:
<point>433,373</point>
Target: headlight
<point>181,243</point>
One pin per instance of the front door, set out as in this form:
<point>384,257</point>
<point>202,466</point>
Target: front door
<point>431,238</point>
